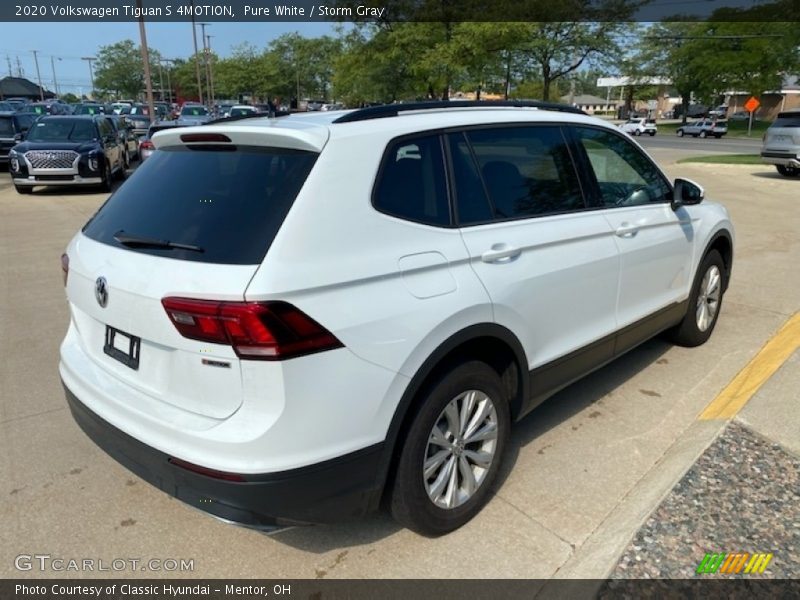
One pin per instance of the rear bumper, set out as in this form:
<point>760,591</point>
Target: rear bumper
<point>786,159</point>
<point>347,486</point>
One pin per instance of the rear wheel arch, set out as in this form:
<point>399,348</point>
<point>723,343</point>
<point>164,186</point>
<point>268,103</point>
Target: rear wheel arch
<point>487,342</point>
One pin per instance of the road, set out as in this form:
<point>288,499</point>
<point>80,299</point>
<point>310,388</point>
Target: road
<point>698,146</point>
<point>589,466</point>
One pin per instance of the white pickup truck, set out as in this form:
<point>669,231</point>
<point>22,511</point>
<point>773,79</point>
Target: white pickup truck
<point>639,126</point>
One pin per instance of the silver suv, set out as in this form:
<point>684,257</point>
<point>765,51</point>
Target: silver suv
<point>782,144</point>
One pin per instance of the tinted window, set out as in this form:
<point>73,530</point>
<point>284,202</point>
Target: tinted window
<point>228,201</point>
<point>787,120</point>
<point>412,182</point>
<point>25,121</point>
<point>194,111</point>
<point>625,176</point>
<point>526,170</point>
<point>6,127</point>
<point>472,205</point>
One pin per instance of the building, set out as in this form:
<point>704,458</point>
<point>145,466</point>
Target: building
<point>19,87</point>
<point>592,105</point>
<point>772,102</point>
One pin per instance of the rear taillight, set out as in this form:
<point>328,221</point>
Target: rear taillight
<point>206,471</point>
<point>65,268</point>
<point>147,145</point>
<point>255,330</point>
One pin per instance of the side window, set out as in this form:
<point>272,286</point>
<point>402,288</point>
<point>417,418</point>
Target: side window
<point>527,171</point>
<point>412,182</point>
<point>625,176</point>
<point>472,205</point>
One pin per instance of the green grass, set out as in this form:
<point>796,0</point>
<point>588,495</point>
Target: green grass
<point>725,159</point>
<point>735,128</point>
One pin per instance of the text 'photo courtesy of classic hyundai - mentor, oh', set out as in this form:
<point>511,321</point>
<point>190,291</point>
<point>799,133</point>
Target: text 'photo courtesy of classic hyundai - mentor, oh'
<point>301,319</point>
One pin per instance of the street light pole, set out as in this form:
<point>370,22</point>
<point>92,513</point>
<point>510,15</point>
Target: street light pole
<point>211,71</point>
<point>89,59</point>
<point>196,60</point>
<point>205,59</point>
<point>146,60</point>
<point>169,81</point>
<point>55,81</point>
<point>38,75</point>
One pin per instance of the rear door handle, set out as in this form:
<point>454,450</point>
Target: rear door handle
<point>626,230</point>
<point>500,253</point>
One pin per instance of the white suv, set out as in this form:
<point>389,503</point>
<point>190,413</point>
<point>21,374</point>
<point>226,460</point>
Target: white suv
<point>283,321</point>
<point>640,127</point>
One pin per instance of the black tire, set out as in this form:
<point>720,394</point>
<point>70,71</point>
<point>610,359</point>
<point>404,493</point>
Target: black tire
<point>410,503</point>
<point>108,178</point>
<point>637,133</point>
<point>703,134</point>
<point>652,133</point>
<point>788,171</point>
<point>687,332</point>
<point>679,133</point>
<point>24,189</point>
<point>126,160</point>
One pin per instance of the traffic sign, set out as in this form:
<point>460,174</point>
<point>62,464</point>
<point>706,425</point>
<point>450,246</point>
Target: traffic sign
<point>752,104</point>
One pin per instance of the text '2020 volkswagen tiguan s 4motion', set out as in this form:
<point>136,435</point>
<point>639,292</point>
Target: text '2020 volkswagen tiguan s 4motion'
<point>299,319</point>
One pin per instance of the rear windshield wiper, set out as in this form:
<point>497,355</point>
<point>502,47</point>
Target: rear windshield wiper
<point>135,241</point>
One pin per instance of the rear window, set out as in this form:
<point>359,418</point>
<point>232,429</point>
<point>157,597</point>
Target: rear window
<point>228,201</point>
<point>787,120</point>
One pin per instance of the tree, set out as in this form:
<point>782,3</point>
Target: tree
<point>119,69</point>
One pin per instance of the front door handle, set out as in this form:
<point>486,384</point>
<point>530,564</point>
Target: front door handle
<point>626,230</point>
<point>500,253</point>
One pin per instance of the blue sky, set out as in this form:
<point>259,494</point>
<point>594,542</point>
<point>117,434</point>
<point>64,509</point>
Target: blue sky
<point>71,41</point>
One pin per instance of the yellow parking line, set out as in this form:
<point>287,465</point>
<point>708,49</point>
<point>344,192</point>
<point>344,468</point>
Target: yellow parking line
<point>763,365</point>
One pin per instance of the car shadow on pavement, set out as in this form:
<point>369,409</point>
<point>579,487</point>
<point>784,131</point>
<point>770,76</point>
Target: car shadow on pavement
<point>774,175</point>
<point>577,397</point>
<point>552,413</point>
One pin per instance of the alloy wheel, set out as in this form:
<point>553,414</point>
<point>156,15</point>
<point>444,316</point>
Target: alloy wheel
<point>461,449</point>
<point>708,298</point>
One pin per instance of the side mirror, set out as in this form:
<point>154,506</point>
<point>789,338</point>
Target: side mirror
<point>19,137</point>
<point>686,192</point>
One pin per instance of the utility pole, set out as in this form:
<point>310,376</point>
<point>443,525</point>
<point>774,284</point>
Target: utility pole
<point>146,60</point>
<point>20,72</point>
<point>89,59</point>
<point>160,81</point>
<point>55,80</point>
<point>10,69</point>
<point>169,62</point>
<point>196,59</point>
<point>205,60</point>
<point>38,75</point>
<point>211,72</point>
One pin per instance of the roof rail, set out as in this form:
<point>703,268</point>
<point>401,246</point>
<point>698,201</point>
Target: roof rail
<point>393,110</point>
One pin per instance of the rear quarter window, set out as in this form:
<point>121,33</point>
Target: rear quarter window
<point>229,201</point>
<point>787,120</point>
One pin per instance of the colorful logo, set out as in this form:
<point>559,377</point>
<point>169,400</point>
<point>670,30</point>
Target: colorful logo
<point>731,563</point>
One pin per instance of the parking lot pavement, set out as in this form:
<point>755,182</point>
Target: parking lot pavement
<point>586,469</point>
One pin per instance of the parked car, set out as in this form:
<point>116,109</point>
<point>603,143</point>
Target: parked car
<point>740,115</point>
<point>194,114</point>
<point>781,144</point>
<point>140,123</point>
<point>719,111</point>
<point>640,126</point>
<point>13,126</point>
<point>127,134</point>
<point>703,128</point>
<point>146,146</point>
<point>89,108</point>
<point>67,150</point>
<point>48,108</point>
<point>241,110</point>
<point>220,356</point>
<point>118,107</point>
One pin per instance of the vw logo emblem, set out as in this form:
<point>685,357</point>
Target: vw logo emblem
<point>101,291</point>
